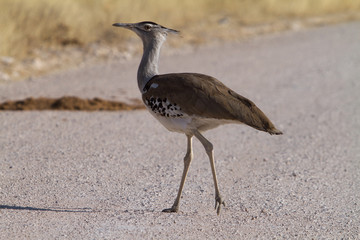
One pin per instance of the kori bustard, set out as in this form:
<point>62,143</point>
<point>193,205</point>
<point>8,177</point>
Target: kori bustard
<point>190,103</point>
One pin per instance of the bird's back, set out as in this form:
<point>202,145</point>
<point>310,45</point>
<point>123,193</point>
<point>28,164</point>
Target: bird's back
<point>205,97</point>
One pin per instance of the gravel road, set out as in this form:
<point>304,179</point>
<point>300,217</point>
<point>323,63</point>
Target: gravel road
<point>108,175</point>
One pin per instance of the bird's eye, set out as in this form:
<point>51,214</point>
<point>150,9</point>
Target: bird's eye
<point>147,27</point>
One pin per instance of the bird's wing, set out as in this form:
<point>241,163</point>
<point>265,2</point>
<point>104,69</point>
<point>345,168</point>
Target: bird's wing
<point>205,96</point>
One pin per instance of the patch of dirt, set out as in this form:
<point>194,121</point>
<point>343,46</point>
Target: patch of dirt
<point>69,103</point>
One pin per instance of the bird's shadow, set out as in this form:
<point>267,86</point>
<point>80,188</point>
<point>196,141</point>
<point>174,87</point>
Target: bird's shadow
<point>47,209</point>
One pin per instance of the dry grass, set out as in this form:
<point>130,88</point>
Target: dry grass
<point>33,24</point>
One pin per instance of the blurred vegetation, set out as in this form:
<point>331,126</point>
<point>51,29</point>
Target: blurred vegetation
<point>31,24</point>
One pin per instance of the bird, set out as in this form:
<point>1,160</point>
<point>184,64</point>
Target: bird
<point>190,103</point>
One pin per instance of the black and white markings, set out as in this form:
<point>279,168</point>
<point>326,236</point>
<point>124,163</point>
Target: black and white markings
<point>163,107</point>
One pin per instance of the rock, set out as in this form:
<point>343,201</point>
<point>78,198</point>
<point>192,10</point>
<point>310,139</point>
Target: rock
<point>4,77</point>
<point>7,60</point>
<point>38,64</point>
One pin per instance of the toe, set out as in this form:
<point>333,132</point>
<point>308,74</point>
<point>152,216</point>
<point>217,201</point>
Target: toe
<point>218,203</point>
<point>170,210</point>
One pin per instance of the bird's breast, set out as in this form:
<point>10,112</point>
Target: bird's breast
<point>175,119</point>
<point>163,107</point>
<point>168,114</point>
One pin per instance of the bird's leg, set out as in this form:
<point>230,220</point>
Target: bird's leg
<point>210,152</point>
<point>187,160</point>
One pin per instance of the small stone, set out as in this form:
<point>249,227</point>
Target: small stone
<point>4,77</point>
<point>7,60</point>
<point>38,64</point>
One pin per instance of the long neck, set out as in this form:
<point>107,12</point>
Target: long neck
<point>149,62</point>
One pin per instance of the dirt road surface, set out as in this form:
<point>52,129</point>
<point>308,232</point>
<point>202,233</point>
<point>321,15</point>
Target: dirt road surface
<point>108,175</point>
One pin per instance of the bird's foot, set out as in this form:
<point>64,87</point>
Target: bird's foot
<point>218,202</point>
<point>172,209</point>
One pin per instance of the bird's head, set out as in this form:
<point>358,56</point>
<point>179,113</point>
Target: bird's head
<point>147,30</point>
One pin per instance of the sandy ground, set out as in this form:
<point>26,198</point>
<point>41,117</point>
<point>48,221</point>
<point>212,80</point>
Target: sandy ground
<point>108,175</point>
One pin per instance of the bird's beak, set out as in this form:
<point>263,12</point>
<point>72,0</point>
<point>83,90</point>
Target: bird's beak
<point>169,30</point>
<point>124,25</point>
